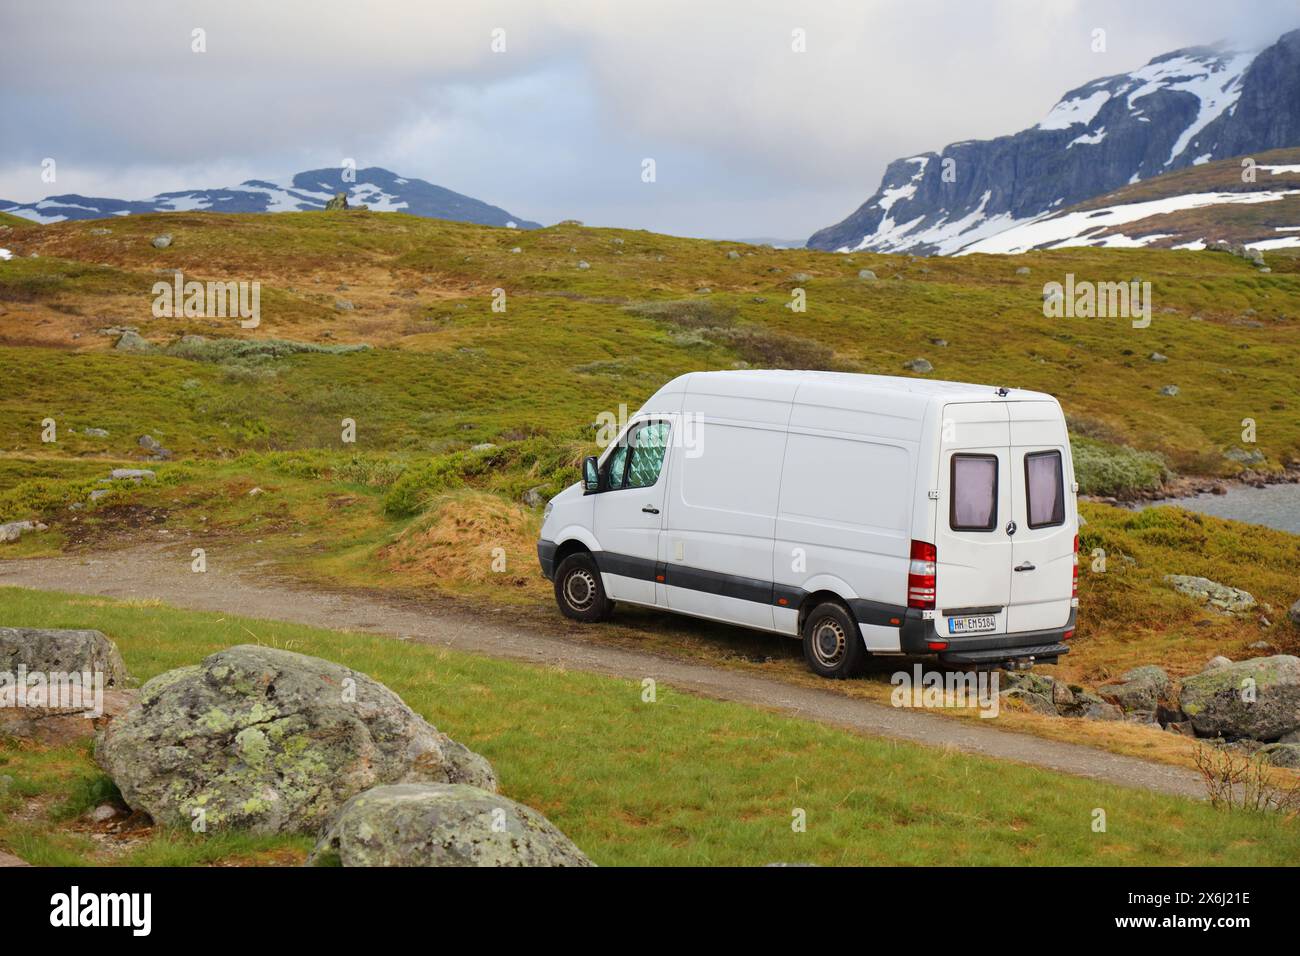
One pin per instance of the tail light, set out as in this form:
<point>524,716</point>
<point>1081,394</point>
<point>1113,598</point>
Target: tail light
<point>1074,584</point>
<point>920,575</point>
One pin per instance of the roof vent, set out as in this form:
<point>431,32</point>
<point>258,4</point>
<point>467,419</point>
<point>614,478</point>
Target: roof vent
<point>1003,392</point>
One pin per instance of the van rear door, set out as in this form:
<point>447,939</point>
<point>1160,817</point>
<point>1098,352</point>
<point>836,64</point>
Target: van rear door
<point>1043,507</point>
<point>973,579</point>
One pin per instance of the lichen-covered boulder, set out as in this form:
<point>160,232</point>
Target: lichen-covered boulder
<point>441,825</point>
<point>271,741</point>
<point>1257,699</point>
<point>1139,690</point>
<point>1221,597</point>
<point>1020,698</point>
<point>1091,707</point>
<point>57,651</point>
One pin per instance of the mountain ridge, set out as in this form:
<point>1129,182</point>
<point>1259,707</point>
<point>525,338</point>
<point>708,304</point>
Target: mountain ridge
<point>380,189</point>
<point>1186,107</point>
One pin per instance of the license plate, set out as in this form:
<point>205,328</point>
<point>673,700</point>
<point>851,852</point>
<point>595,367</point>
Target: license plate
<point>972,625</point>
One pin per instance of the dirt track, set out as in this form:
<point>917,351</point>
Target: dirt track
<point>153,571</point>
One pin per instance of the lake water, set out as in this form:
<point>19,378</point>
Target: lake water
<point>1277,506</point>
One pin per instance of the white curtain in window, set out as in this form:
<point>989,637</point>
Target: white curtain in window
<point>1045,489</point>
<point>974,487</point>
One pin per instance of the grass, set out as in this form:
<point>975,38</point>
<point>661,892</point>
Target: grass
<point>447,372</point>
<point>682,781</point>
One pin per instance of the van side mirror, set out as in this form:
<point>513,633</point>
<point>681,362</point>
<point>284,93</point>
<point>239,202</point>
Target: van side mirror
<point>590,475</point>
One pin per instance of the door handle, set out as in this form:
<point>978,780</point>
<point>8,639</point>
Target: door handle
<point>1027,566</point>
<point>650,510</point>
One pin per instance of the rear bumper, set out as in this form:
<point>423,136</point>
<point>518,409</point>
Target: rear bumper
<point>917,634</point>
<point>546,558</point>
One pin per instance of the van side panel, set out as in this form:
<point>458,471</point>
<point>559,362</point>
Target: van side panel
<point>847,493</point>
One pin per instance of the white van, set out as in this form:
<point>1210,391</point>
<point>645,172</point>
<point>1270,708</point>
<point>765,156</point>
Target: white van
<point>865,514</point>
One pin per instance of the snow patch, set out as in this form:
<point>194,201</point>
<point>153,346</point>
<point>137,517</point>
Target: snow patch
<point>1285,242</point>
<point>5,254</point>
<point>1083,109</point>
<point>1088,139</point>
<point>1076,228</point>
<point>1215,81</point>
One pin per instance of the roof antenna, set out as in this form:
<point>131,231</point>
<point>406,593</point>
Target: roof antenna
<point>1003,392</point>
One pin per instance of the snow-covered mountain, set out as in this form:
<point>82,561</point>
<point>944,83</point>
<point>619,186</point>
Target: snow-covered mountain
<point>1182,109</point>
<point>1191,208</point>
<point>377,188</point>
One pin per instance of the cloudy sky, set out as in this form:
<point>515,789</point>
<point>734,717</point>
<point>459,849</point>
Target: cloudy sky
<point>749,137</point>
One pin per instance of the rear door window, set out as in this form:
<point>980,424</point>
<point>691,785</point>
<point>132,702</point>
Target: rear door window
<point>974,493</point>
<point>1044,489</point>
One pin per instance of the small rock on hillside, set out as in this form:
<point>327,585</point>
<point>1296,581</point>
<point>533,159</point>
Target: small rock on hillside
<point>920,365</point>
<point>1138,691</point>
<point>1257,699</point>
<point>1229,600</point>
<point>441,825</point>
<point>1294,613</point>
<point>272,741</point>
<point>154,448</point>
<point>132,342</point>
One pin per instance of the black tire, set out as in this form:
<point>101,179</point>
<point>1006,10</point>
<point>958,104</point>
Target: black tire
<point>832,643</point>
<point>579,591</point>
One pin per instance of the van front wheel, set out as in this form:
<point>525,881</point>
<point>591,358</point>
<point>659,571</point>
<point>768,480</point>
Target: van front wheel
<point>579,592</point>
<point>832,643</point>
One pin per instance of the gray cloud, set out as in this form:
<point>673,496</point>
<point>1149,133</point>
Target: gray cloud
<point>749,137</point>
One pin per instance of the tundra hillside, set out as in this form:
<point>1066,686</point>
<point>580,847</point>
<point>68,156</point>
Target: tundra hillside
<point>468,417</point>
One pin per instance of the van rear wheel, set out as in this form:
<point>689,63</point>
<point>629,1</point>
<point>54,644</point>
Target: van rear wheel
<point>832,643</point>
<point>579,591</point>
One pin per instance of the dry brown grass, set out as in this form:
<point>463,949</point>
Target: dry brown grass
<point>471,541</point>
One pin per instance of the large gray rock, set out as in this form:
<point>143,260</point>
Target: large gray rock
<point>58,651</point>
<point>1282,755</point>
<point>1138,690</point>
<point>69,707</point>
<point>1089,706</point>
<point>271,741</point>
<point>1218,704</point>
<point>441,825</point>
<point>1221,597</point>
<point>13,530</point>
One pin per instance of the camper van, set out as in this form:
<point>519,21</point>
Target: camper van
<point>863,514</point>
